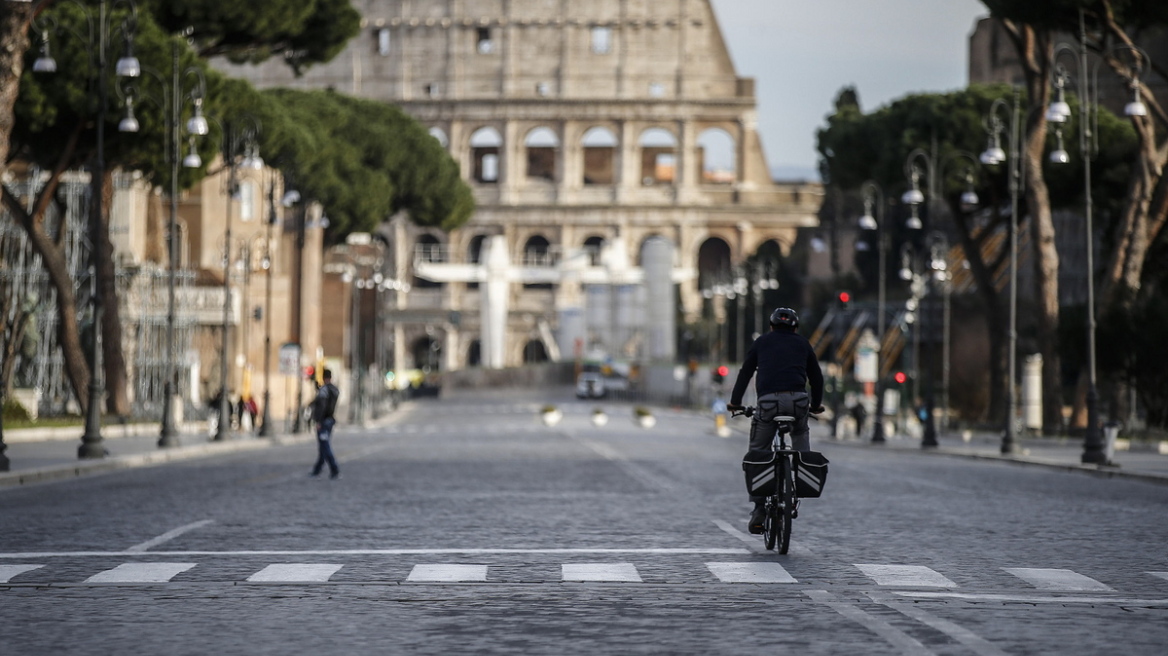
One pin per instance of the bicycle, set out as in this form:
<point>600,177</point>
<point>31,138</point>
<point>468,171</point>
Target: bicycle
<point>782,504</point>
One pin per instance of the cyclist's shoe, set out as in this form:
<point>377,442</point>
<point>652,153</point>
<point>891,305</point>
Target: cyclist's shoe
<point>757,517</point>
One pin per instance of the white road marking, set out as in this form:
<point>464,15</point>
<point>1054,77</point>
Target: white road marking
<point>910,576</point>
<point>295,573</point>
<point>169,535</point>
<point>9,571</point>
<point>894,636</point>
<point>1057,580</point>
<point>445,573</point>
<point>140,573</point>
<point>752,540</point>
<point>30,555</point>
<point>609,572</point>
<point>1031,599</point>
<point>978,644</point>
<point>750,573</point>
<point>1163,575</point>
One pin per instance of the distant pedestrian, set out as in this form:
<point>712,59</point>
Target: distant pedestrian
<point>324,407</point>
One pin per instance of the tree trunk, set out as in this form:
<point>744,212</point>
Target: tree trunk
<point>54,262</point>
<point>14,22</point>
<point>112,348</point>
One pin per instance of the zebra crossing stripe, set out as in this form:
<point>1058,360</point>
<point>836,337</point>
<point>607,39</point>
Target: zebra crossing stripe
<point>606,572</point>
<point>913,576</point>
<point>9,571</point>
<point>750,573</point>
<point>140,573</point>
<point>295,573</point>
<point>446,573</point>
<point>1061,580</point>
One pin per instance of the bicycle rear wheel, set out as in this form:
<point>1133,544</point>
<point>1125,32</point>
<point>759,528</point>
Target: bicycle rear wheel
<point>770,525</point>
<point>785,509</point>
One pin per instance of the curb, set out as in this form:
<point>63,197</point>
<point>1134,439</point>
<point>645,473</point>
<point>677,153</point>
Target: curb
<point>10,480</point>
<point>1102,471</point>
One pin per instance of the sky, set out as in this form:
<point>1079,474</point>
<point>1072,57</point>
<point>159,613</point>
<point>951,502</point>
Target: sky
<point>802,52</point>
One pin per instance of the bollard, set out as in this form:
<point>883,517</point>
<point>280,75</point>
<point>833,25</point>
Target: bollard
<point>1110,433</point>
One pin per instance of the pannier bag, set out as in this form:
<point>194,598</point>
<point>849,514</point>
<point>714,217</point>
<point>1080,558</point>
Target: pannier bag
<point>759,466</point>
<point>810,473</point>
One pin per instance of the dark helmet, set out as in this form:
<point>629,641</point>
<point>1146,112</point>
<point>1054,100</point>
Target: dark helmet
<point>785,317</point>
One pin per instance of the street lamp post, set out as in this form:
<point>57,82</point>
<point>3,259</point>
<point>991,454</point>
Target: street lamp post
<point>238,144</point>
<point>873,194</point>
<point>127,66</point>
<point>1059,111</point>
<point>934,171</point>
<point>267,264</point>
<point>173,95</point>
<point>995,155</point>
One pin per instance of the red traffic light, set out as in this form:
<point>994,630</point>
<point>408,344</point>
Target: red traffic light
<point>723,371</point>
<point>900,377</point>
<point>844,297</point>
<point>309,371</point>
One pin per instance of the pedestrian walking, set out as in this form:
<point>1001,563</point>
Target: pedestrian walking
<point>324,407</point>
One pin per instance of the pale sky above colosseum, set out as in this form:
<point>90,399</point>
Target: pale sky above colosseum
<point>802,52</point>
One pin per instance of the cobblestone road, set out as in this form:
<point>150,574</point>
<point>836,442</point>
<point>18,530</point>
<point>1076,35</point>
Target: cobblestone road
<point>470,526</point>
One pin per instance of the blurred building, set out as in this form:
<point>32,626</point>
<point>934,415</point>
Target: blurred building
<point>615,161</point>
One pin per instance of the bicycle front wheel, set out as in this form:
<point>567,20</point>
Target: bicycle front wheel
<point>786,505</point>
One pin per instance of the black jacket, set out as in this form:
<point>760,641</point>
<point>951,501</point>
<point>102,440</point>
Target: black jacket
<point>785,362</point>
<point>325,403</point>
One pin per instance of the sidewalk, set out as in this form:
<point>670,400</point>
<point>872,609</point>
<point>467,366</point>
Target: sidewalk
<point>1147,462</point>
<point>1139,461</point>
<point>38,455</point>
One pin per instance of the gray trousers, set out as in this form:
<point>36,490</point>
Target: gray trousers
<point>763,426</point>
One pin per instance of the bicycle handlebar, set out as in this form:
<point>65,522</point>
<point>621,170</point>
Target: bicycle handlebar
<point>748,411</point>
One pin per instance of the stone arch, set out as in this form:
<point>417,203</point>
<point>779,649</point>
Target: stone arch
<point>474,254</point>
<point>429,249</point>
<point>440,134</point>
<point>717,155</point>
<point>714,262</point>
<point>537,251</point>
<point>542,146</point>
<point>592,246</point>
<point>599,144</point>
<point>486,144</point>
<point>658,156</point>
<point>474,353</point>
<point>534,351</point>
<point>645,239</point>
<point>426,352</point>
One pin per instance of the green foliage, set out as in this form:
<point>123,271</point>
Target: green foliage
<point>303,32</point>
<point>362,160</point>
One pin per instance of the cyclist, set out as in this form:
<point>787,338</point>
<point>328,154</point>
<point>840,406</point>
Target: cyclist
<point>786,363</point>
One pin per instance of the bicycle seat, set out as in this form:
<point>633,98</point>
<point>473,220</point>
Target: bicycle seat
<point>785,418</point>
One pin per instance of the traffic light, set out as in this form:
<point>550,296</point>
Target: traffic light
<point>844,298</point>
<point>719,373</point>
<point>309,372</point>
<point>900,377</point>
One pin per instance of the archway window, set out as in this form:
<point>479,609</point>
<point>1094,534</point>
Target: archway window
<point>534,351</point>
<point>428,249</point>
<point>713,264</point>
<point>427,354</point>
<point>484,148</point>
<point>474,354</point>
<point>658,156</point>
<point>593,246</point>
<point>537,252</point>
<point>247,200</point>
<point>542,145</point>
<point>474,255</point>
<point>440,135</point>
<point>599,156</point>
<point>717,157</point>
<point>601,40</point>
